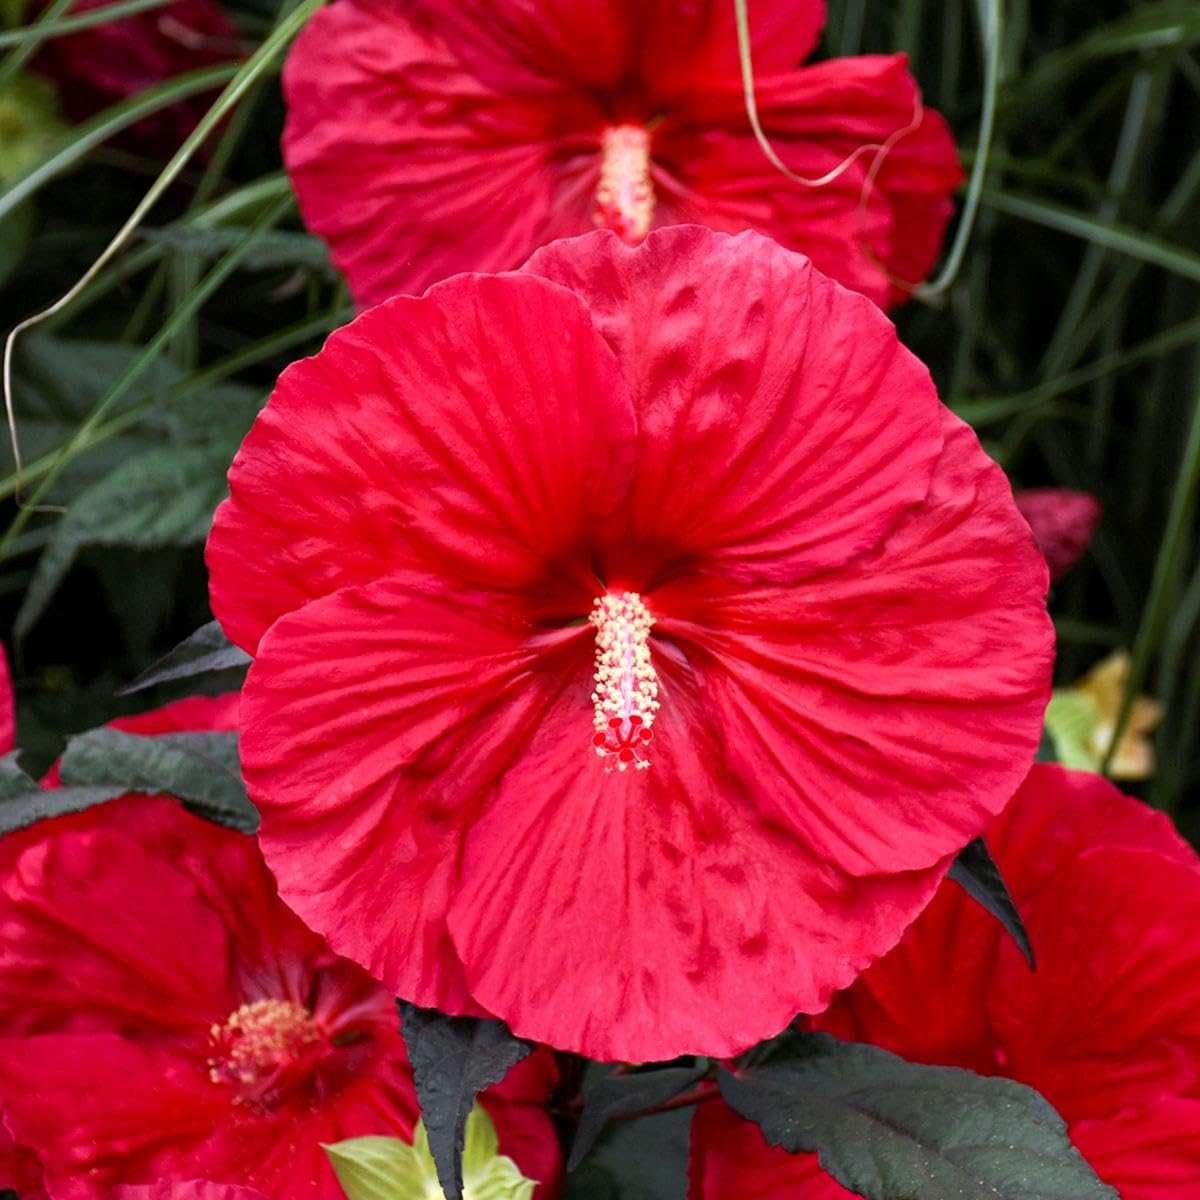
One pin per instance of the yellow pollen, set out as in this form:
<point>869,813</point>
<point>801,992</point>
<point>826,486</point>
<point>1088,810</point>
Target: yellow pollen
<point>259,1040</point>
<point>626,695</point>
<point>625,193</point>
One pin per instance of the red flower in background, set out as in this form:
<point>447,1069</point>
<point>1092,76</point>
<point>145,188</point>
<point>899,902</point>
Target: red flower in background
<point>19,1169</point>
<point>1108,1029</point>
<point>425,138</point>
<point>166,1016</point>
<point>99,66</point>
<point>8,712</point>
<point>192,1190</point>
<point>487,540</point>
<point>1062,522</point>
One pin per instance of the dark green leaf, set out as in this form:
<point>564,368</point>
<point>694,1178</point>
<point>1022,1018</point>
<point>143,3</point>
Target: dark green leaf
<point>23,803</point>
<point>1045,750</point>
<point>620,1095</point>
<point>162,498</point>
<point>453,1060</point>
<point>275,248</point>
<point>645,1159</point>
<point>975,871</point>
<point>200,769</point>
<point>13,781</point>
<point>208,649</point>
<point>893,1130</point>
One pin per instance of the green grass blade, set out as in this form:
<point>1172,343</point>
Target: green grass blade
<point>203,291</point>
<point>45,30</point>
<point>1118,239</point>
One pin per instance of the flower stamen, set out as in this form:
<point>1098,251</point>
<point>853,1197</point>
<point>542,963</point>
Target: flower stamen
<point>626,694</point>
<point>259,1041</point>
<point>625,193</point>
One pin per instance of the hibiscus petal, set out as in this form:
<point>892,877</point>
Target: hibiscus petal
<point>1110,1018</point>
<point>1058,814</point>
<point>875,240</point>
<point>158,965</point>
<point>410,167</point>
<point>1146,1153</point>
<point>643,901</point>
<point>95,1107</point>
<point>924,999</point>
<point>373,721</point>
<point>191,1189</point>
<point>20,1170</point>
<point>777,437</point>
<point>887,708</point>
<point>536,47</point>
<point>730,1160</point>
<point>483,426</point>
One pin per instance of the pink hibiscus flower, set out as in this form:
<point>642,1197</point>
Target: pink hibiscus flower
<point>1108,1029</point>
<point>167,1017</point>
<point>488,540</point>
<point>425,138</point>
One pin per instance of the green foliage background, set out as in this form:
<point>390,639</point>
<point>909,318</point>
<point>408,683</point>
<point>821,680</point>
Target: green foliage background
<point>1069,338</point>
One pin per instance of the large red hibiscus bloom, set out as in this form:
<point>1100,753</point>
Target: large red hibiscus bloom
<point>166,1017</point>
<point>489,543</point>
<point>428,137</point>
<point>1108,1029</point>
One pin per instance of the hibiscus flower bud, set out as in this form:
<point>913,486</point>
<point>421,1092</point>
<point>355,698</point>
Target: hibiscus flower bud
<point>383,1168</point>
<point>1062,522</point>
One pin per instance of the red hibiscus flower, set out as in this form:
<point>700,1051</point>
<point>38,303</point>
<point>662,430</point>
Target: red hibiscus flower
<point>1108,1029</point>
<point>489,543</point>
<point>192,1190</point>
<point>1062,522</point>
<point>96,67</point>
<point>201,1030</point>
<point>426,138</point>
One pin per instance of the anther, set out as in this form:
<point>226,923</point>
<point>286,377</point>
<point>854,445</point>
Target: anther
<point>258,1041</point>
<point>626,694</point>
<point>625,193</point>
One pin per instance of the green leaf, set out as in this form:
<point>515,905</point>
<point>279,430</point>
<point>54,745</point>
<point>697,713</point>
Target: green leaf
<point>643,1159</point>
<point>162,498</point>
<point>23,802</point>
<point>29,122</point>
<point>975,871</point>
<point>1119,240</point>
<point>453,1060</point>
<point>206,650</point>
<point>620,1095</point>
<point>273,249</point>
<point>201,769</point>
<point>386,1168</point>
<point>78,142</point>
<point>893,1130</point>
